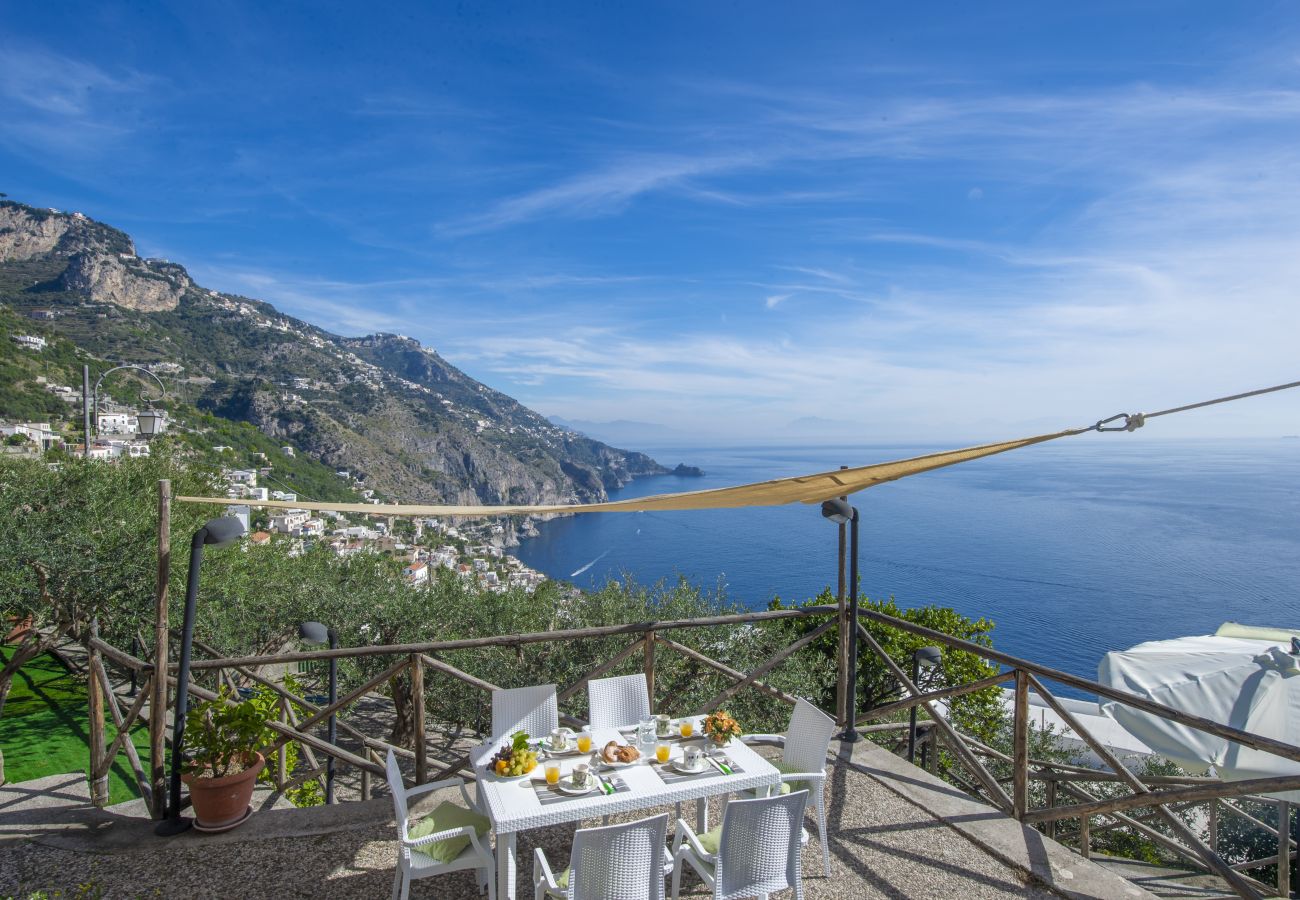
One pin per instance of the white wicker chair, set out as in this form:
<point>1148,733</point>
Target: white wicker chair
<point>757,850</point>
<point>413,864</point>
<point>532,709</point>
<point>803,762</point>
<point>617,862</point>
<point>615,702</point>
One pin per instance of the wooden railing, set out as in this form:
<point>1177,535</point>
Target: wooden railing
<point>1150,801</point>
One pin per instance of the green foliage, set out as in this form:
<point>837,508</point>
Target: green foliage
<point>1240,840</point>
<point>978,713</point>
<point>220,735</point>
<point>80,541</point>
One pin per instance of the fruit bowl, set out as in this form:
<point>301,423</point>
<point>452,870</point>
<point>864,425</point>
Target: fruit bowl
<point>516,754</point>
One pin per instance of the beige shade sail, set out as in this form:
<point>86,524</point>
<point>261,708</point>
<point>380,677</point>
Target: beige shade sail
<point>778,492</point>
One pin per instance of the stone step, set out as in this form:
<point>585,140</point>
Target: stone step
<point>43,804</point>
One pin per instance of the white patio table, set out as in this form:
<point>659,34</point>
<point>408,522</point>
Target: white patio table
<point>516,805</point>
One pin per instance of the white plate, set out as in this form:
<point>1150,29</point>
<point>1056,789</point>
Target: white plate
<point>570,750</point>
<point>566,786</point>
<point>620,765</point>
<point>679,765</point>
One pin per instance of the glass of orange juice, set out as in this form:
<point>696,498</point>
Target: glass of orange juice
<point>661,752</point>
<point>584,742</point>
<point>686,727</point>
<point>552,773</point>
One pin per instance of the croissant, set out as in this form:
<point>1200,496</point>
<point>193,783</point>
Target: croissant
<point>628,754</point>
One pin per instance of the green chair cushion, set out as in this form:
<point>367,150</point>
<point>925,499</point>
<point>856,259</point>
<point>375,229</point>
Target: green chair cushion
<point>445,816</point>
<point>562,880</point>
<point>786,768</point>
<point>711,840</point>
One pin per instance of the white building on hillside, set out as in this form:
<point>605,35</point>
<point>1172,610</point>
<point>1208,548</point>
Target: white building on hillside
<point>30,341</point>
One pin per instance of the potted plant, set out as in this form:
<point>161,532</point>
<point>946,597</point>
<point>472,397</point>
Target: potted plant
<point>222,740</point>
<point>721,727</point>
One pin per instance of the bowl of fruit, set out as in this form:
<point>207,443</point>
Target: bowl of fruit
<point>515,759</point>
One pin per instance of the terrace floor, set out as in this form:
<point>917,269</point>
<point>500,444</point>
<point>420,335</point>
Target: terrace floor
<point>896,832</point>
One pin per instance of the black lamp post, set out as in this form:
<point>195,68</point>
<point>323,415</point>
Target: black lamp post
<point>929,657</point>
<point>316,633</point>
<point>839,512</point>
<point>216,533</point>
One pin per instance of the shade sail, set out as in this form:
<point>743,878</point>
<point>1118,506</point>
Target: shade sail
<point>1247,683</point>
<point>800,489</point>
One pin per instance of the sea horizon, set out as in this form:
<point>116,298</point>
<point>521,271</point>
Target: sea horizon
<point>1071,548</point>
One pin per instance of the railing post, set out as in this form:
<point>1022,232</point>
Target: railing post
<point>1283,848</point>
<point>95,697</point>
<point>417,704</point>
<point>650,666</point>
<point>365,775</point>
<point>1020,746</point>
<point>282,755</point>
<point>1085,839</point>
<point>845,633</point>
<point>1051,802</point>
<point>158,699</point>
<point>1214,825</point>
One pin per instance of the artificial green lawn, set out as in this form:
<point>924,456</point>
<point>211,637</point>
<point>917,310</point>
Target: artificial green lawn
<point>43,728</point>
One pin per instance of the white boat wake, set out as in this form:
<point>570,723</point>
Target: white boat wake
<point>590,564</point>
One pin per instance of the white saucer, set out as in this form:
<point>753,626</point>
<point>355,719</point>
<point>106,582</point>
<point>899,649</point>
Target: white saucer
<point>566,786</point>
<point>571,750</point>
<point>679,766</point>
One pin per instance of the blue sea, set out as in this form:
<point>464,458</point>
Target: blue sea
<point>1072,548</point>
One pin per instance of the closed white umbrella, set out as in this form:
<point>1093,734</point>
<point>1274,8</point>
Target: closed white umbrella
<point>1247,682</point>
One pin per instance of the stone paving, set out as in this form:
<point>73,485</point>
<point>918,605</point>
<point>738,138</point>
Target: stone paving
<point>889,838</point>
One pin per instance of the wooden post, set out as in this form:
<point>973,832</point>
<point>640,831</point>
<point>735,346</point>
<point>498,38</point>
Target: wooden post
<point>365,774</point>
<point>1085,840</point>
<point>417,703</point>
<point>932,758</point>
<point>1051,801</point>
<point>1283,848</point>
<point>95,697</point>
<point>282,755</point>
<point>845,635</point>
<point>1214,825</point>
<point>1020,746</point>
<point>650,667</point>
<point>158,700</point>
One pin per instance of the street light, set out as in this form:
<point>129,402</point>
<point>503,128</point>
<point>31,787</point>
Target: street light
<point>216,533</point>
<point>929,657</point>
<point>148,423</point>
<point>839,512</point>
<point>316,633</point>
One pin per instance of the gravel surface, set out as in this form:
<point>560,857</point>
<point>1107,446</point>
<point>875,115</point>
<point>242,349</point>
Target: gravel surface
<point>881,846</point>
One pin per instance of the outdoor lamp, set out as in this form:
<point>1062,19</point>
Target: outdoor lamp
<point>924,657</point>
<point>149,422</point>
<point>316,633</point>
<point>839,512</point>
<point>216,533</point>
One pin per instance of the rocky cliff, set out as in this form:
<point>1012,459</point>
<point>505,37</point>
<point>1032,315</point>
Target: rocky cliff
<point>383,407</point>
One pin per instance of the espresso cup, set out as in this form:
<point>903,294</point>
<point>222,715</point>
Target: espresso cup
<point>663,725</point>
<point>560,738</point>
<point>693,757</point>
<point>581,773</point>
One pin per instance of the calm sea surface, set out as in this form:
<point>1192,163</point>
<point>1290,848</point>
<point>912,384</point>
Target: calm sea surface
<point>1073,548</point>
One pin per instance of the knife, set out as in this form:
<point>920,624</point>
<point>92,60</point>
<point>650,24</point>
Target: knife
<point>720,766</point>
<point>605,787</point>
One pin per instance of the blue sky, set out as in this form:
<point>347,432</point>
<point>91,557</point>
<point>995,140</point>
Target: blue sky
<point>950,222</point>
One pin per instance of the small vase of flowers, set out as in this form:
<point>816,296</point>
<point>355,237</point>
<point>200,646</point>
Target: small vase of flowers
<point>721,727</point>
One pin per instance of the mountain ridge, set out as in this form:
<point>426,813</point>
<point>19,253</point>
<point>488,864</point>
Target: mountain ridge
<point>382,406</point>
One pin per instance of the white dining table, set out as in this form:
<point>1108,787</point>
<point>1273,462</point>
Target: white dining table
<point>513,805</point>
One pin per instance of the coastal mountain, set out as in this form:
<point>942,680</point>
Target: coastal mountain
<point>382,407</point>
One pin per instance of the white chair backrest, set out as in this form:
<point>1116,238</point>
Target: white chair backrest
<point>809,737</point>
<point>531,709</point>
<point>760,846</point>
<point>614,702</point>
<point>619,862</point>
<point>398,789</point>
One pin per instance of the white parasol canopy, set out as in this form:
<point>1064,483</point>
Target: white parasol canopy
<point>1243,677</point>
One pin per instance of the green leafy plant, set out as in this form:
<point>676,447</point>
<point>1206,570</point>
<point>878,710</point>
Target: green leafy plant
<point>220,736</point>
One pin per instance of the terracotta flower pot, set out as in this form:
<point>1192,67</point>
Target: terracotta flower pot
<point>219,802</point>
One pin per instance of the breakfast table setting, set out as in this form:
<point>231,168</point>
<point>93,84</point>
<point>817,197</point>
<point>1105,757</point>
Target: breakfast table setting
<point>568,775</point>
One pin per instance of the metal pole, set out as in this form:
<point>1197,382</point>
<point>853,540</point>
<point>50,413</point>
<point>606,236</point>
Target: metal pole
<point>850,733</point>
<point>911,713</point>
<point>158,702</point>
<point>85,410</point>
<point>174,824</point>
<point>333,734</point>
<point>841,657</point>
